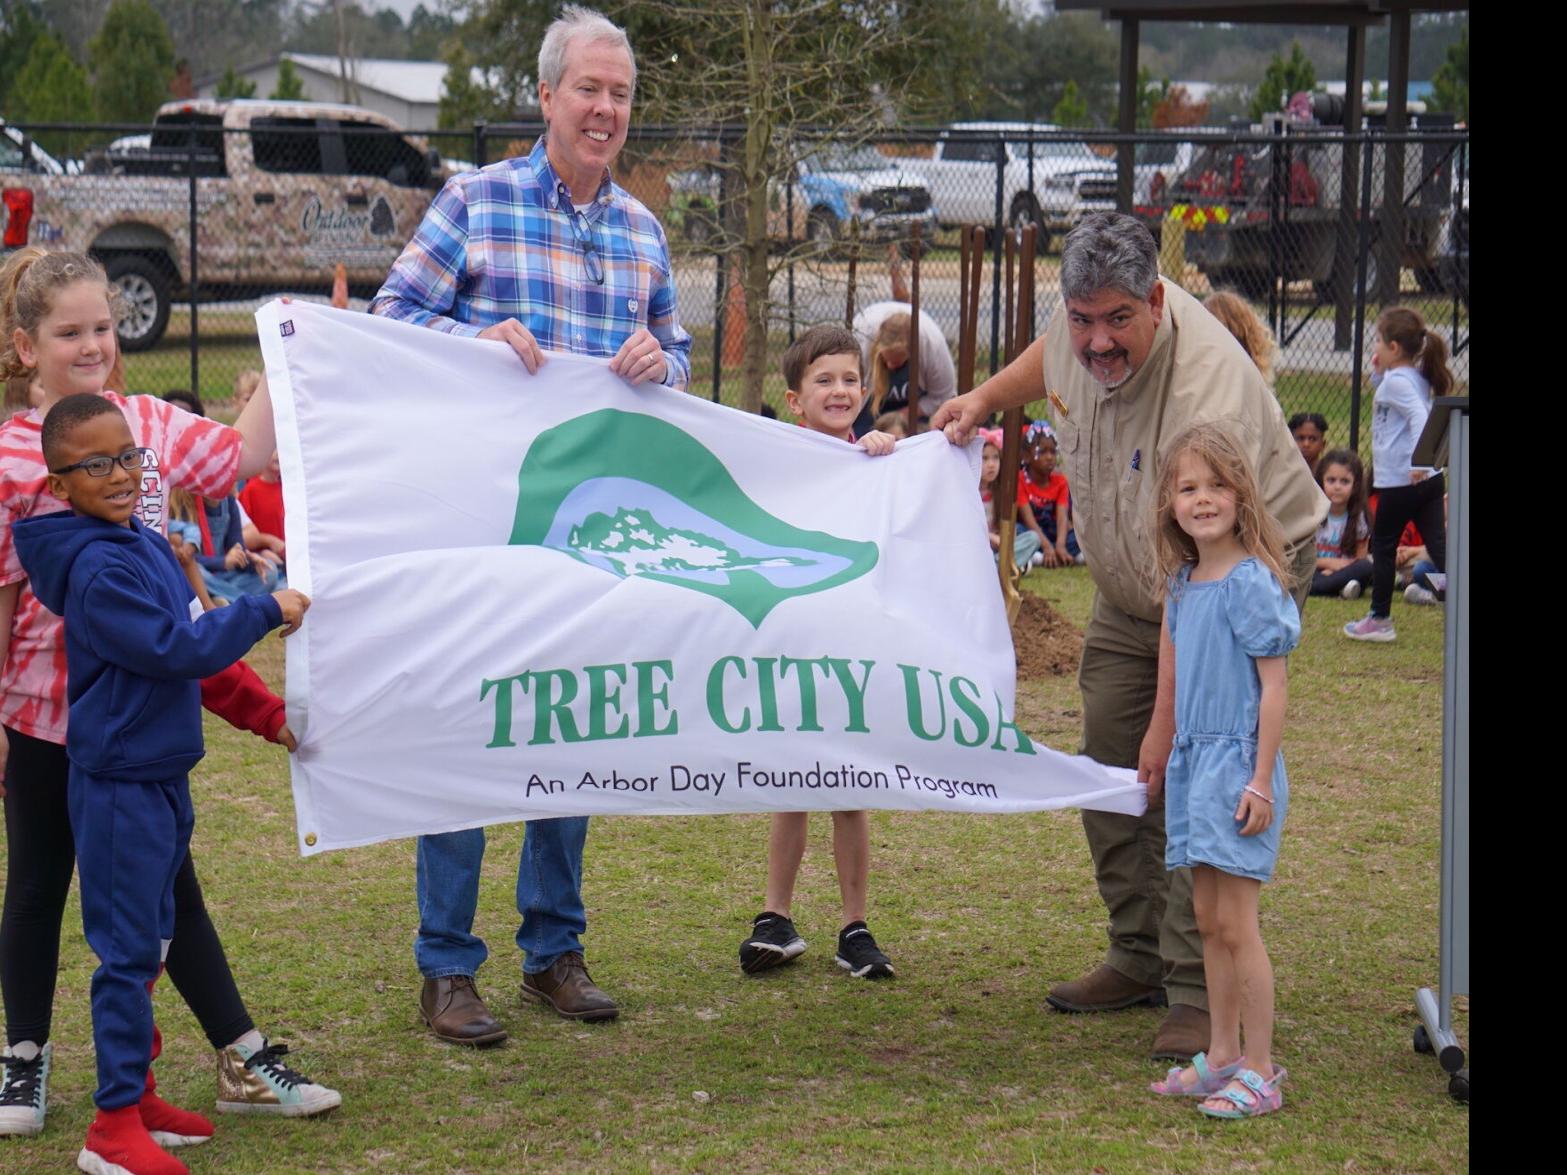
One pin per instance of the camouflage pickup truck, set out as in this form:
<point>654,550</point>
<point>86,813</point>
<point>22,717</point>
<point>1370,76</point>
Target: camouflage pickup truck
<point>283,190</point>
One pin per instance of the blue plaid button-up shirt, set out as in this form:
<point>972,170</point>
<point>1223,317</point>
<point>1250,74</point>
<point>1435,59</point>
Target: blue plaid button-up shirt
<point>504,242</point>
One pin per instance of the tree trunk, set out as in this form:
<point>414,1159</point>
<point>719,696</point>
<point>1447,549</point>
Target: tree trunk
<point>754,172</point>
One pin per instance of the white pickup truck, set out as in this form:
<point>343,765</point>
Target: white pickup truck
<point>1069,179</point>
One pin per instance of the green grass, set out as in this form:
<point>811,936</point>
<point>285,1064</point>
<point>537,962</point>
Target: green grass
<point>956,1064</point>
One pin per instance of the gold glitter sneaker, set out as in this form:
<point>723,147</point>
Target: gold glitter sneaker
<point>260,1083</point>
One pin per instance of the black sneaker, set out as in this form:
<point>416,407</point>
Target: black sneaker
<point>774,941</point>
<point>859,955</point>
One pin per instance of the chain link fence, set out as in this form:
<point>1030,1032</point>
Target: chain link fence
<point>199,222</point>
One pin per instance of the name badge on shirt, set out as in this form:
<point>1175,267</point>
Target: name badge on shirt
<point>1057,402</point>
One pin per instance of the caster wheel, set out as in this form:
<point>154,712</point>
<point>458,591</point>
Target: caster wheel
<point>1422,1040</point>
<point>1458,1086</point>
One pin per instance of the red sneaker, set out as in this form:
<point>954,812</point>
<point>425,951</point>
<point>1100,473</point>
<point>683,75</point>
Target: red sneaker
<point>169,1125</point>
<point>118,1144</point>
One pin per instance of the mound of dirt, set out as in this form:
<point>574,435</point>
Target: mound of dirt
<point>1047,644</point>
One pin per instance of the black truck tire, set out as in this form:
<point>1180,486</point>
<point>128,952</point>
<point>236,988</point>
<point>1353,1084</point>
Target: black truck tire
<point>143,287</point>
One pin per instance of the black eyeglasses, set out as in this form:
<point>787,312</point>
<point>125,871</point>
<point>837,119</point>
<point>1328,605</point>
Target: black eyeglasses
<point>100,466</point>
<point>590,253</point>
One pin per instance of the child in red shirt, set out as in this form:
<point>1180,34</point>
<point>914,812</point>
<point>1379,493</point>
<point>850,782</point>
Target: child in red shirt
<point>1046,493</point>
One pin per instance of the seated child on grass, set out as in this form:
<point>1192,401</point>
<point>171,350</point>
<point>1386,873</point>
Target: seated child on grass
<point>1025,537</point>
<point>1047,495</point>
<point>826,389</point>
<point>136,646</point>
<point>1344,538</point>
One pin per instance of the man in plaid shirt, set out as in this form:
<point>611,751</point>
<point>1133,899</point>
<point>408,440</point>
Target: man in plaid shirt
<point>546,254</point>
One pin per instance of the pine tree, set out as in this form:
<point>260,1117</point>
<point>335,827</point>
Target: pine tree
<point>1450,83</point>
<point>1070,110</point>
<point>1282,79</point>
<point>289,86</point>
<point>132,60</point>
<point>51,87</point>
<point>231,85</point>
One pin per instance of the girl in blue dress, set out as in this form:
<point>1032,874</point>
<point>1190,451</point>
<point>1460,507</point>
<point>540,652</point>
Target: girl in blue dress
<point>1228,625</point>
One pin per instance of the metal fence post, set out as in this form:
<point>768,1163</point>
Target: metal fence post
<point>789,246</point>
<point>480,144</point>
<point>1275,228</point>
<point>195,252</point>
<point>1362,247</point>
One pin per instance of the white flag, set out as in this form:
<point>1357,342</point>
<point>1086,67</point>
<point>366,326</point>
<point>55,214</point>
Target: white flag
<point>558,595</point>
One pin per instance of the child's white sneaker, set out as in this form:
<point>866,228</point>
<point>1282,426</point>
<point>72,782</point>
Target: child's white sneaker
<point>24,1088</point>
<point>258,1082</point>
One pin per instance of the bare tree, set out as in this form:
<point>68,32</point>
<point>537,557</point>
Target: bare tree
<point>774,81</point>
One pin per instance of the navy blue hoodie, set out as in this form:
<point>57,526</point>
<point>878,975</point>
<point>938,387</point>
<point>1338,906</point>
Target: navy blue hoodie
<point>134,656</point>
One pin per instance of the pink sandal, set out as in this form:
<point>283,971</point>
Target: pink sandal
<point>1209,1081</point>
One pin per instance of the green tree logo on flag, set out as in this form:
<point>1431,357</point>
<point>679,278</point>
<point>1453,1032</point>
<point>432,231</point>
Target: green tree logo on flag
<point>634,495</point>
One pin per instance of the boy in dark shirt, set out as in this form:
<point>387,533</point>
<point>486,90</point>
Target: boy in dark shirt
<point>137,645</point>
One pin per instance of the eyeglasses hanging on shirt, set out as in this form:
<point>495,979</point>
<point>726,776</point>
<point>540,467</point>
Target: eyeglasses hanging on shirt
<point>584,231</point>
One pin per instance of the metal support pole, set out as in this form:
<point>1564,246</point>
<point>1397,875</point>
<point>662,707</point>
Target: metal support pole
<point>1390,251</point>
<point>480,144</point>
<point>1349,184</point>
<point>1277,182</point>
<point>1362,248</point>
<point>1126,115</point>
<point>195,256</point>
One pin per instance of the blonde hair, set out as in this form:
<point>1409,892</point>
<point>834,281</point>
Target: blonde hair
<point>1236,314</point>
<point>894,423</point>
<point>184,505</point>
<point>246,383</point>
<point>893,333</point>
<point>28,284</point>
<point>17,389</point>
<point>1255,528</point>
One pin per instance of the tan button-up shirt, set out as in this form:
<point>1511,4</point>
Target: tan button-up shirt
<point>1112,443</point>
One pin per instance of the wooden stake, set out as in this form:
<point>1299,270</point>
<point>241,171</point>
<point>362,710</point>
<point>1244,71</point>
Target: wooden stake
<point>913,409</point>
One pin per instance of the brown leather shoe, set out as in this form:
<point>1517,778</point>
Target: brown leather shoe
<point>452,1008</point>
<point>568,988</point>
<point>1183,1034</point>
<point>1104,989</point>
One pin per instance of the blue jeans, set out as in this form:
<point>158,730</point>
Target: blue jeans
<point>549,897</point>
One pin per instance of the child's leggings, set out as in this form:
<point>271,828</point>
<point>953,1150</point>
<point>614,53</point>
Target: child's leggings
<point>1331,583</point>
<point>1396,508</point>
<point>130,839</point>
<point>40,857</point>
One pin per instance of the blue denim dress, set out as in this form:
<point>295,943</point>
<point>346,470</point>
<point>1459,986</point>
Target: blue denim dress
<point>1217,629</point>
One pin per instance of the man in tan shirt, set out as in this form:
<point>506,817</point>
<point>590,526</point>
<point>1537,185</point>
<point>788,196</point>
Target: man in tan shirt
<point>1130,362</point>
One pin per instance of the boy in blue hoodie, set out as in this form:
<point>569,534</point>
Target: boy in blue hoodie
<point>137,645</point>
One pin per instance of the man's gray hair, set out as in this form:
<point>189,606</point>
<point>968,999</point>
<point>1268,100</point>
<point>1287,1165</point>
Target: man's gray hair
<point>577,22</point>
<point>1108,250</point>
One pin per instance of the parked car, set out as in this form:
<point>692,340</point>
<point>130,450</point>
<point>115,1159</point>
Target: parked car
<point>19,153</point>
<point>830,190</point>
<point>1052,182</point>
<point>286,190</point>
